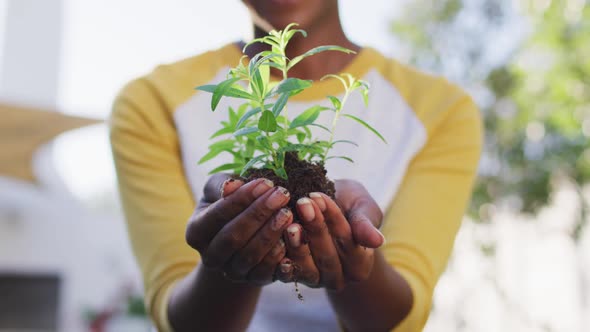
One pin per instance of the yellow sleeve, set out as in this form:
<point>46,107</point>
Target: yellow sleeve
<point>155,195</point>
<point>424,217</point>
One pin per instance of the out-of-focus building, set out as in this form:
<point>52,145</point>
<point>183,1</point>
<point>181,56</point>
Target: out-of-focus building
<point>59,261</point>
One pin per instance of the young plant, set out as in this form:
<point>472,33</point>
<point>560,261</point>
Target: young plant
<point>259,133</point>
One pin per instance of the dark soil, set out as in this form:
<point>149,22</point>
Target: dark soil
<point>304,178</point>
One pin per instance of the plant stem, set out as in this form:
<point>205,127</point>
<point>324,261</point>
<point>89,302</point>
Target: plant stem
<point>334,121</point>
<point>270,151</point>
<point>284,70</point>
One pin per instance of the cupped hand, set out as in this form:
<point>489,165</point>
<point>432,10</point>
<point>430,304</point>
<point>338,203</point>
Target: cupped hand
<point>334,244</point>
<point>362,212</point>
<point>237,228</point>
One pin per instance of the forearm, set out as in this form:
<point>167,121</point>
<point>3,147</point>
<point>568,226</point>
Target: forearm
<point>377,304</point>
<point>205,301</point>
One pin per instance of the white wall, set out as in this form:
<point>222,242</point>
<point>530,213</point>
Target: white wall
<point>30,72</point>
<point>2,25</point>
<point>42,231</point>
<point>44,228</point>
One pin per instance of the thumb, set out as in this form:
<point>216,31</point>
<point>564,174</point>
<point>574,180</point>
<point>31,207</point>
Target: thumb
<point>364,233</point>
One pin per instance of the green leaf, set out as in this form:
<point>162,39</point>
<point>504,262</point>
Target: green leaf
<point>256,63</point>
<point>222,131</point>
<point>321,126</point>
<point>210,155</point>
<point>242,109</point>
<point>232,92</point>
<point>289,26</point>
<point>251,163</point>
<point>221,90</point>
<point>233,116</point>
<point>323,144</point>
<point>245,131</point>
<point>282,119</point>
<point>257,84</point>
<point>266,40</point>
<point>364,88</point>
<point>336,102</point>
<point>237,156</point>
<point>365,94</point>
<point>278,107</point>
<point>267,122</point>
<point>280,159</point>
<point>280,172</point>
<point>292,85</point>
<point>307,131</point>
<point>293,147</point>
<point>314,148</point>
<point>317,50</point>
<point>366,125</point>
<point>307,117</point>
<point>227,91</point>
<point>252,66</point>
<point>264,142</point>
<point>274,65</point>
<point>338,77</point>
<point>344,141</point>
<point>341,157</point>
<point>287,33</point>
<point>207,88</point>
<point>226,167</point>
<point>279,137</point>
<point>240,70</point>
<point>250,148</point>
<point>224,144</point>
<point>301,137</point>
<point>265,75</point>
<point>249,114</point>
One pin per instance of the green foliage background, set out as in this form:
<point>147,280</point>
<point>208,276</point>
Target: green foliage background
<point>528,65</point>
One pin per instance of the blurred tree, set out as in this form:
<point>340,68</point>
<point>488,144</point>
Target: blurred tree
<point>527,63</point>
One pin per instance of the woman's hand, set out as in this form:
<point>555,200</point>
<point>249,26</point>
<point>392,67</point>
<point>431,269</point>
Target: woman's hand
<point>362,212</point>
<point>334,245</point>
<point>237,228</point>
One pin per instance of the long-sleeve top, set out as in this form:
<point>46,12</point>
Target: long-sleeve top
<point>422,179</point>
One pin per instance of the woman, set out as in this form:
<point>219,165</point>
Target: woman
<point>356,278</point>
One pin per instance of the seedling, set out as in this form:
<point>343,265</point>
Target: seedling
<point>259,134</point>
<point>263,140</point>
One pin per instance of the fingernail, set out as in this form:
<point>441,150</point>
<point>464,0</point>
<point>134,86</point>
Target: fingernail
<point>286,267</point>
<point>294,235</point>
<point>382,236</point>
<point>319,200</point>
<point>277,198</point>
<point>280,220</point>
<point>224,184</point>
<point>278,247</point>
<point>262,187</point>
<point>306,209</point>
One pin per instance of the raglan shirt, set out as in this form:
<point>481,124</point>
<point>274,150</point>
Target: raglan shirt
<point>422,179</point>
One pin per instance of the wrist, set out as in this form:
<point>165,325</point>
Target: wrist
<point>206,292</point>
<point>220,279</point>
